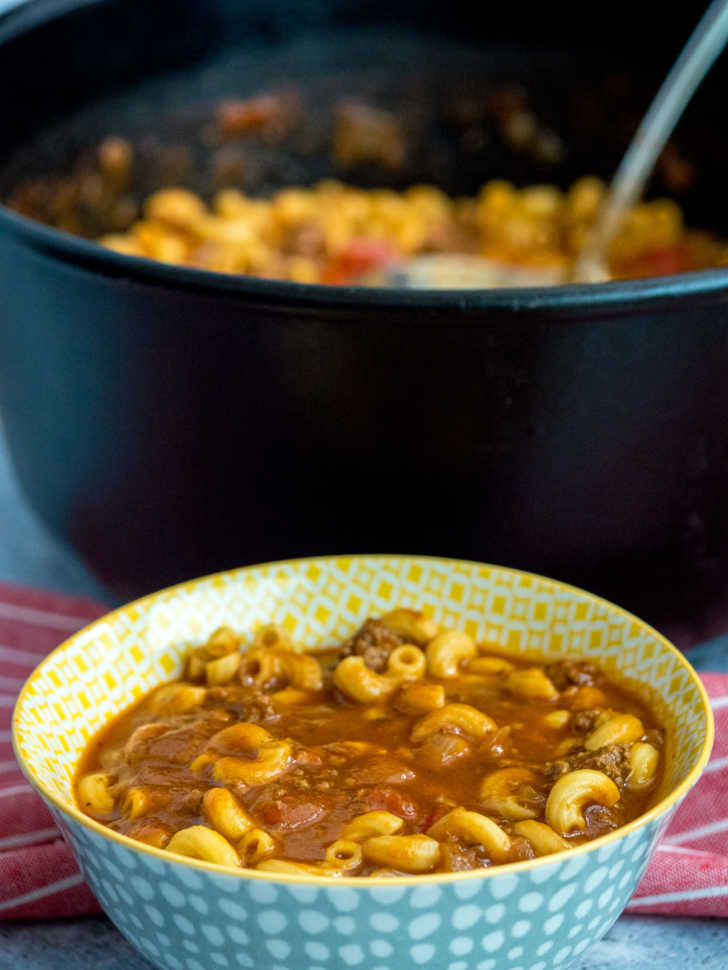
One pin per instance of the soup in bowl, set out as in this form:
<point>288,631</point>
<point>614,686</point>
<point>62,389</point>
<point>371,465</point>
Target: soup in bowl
<point>477,699</point>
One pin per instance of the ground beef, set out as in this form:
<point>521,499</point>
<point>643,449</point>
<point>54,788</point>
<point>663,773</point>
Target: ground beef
<point>374,642</point>
<point>455,857</point>
<point>611,759</point>
<point>583,721</point>
<point>366,134</point>
<point>288,812</point>
<point>568,672</point>
<point>243,703</point>
<point>190,802</point>
<point>555,769</point>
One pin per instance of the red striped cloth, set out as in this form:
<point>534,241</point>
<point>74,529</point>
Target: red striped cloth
<point>39,878</point>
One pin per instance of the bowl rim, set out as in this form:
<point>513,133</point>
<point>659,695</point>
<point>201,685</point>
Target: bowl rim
<point>68,808</point>
<point>582,300</point>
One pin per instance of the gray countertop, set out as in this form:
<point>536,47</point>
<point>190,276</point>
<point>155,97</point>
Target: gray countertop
<point>29,555</point>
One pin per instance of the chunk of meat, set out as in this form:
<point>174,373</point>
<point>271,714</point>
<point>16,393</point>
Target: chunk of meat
<point>442,749</point>
<point>567,672</point>
<point>374,642</point>
<point>584,721</point>
<point>520,849</point>
<point>288,812</point>
<point>612,760</point>
<point>389,800</point>
<point>363,134</point>
<point>456,857</point>
<point>243,702</point>
<point>182,745</point>
<point>136,747</point>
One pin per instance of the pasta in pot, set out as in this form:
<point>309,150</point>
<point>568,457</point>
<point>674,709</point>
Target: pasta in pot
<point>410,749</point>
<point>359,231</point>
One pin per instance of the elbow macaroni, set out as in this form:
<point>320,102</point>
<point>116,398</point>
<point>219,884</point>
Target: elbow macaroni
<point>372,764</point>
<point>614,728</point>
<point>489,666</point>
<point>643,762</point>
<point>222,811</point>
<point>474,829</point>
<point>412,625</point>
<point>199,842</point>
<point>572,793</point>
<point>406,663</point>
<point>256,845</point>
<point>249,754</point>
<point>454,717</point>
<point>407,853</point>
<point>532,683</point>
<point>344,855</point>
<point>267,664</point>
<point>94,794</point>
<point>360,683</point>
<point>421,698</point>
<point>543,839</point>
<point>447,651</point>
<point>370,824</point>
<point>223,669</point>
<point>177,699</point>
<point>510,793</point>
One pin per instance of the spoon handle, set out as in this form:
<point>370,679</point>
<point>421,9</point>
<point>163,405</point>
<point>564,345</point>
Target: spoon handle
<point>697,57</point>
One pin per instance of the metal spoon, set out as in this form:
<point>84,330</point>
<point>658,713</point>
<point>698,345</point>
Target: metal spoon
<point>458,270</point>
<point>697,57</point>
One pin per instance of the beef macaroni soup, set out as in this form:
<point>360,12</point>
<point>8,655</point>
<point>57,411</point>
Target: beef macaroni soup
<point>408,749</point>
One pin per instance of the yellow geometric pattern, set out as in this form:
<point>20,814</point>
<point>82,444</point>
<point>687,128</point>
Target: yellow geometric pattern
<point>101,670</point>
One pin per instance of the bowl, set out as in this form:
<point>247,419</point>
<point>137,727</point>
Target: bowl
<point>576,431</point>
<point>180,913</point>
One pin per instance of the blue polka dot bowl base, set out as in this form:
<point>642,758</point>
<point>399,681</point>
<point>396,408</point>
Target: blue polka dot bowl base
<point>188,915</point>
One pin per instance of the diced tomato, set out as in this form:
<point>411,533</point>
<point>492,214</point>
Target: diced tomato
<point>659,262</point>
<point>238,117</point>
<point>438,812</point>
<point>360,256</point>
<point>390,800</point>
<point>289,812</point>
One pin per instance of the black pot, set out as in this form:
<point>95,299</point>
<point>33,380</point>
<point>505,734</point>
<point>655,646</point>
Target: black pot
<point>168,422</point>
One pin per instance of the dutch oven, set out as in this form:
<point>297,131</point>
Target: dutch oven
<point>167,421</point>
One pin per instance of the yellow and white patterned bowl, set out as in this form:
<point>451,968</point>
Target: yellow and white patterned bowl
<point>186,914</point>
